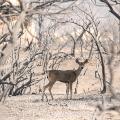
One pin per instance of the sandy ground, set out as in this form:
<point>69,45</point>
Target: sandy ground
<point>81,107</point>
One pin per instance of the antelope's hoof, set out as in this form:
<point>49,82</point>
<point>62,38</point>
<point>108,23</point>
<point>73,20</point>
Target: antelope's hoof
<point>42,99</point>
<point>52,99</point>
<point>66,99</point>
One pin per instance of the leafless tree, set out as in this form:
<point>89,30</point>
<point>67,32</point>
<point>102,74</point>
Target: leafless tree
<point>111,4</point>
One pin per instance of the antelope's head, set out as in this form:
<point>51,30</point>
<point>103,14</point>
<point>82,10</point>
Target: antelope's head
<point>81,64</point>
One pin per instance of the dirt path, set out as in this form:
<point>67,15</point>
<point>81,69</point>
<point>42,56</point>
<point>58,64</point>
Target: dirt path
<point>30,107</point>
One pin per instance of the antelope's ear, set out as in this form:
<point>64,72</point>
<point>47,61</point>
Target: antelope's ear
<point>77,60</point>
<point>86,61</point>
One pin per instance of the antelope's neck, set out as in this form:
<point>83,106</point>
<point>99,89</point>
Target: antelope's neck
<point>78,71</point>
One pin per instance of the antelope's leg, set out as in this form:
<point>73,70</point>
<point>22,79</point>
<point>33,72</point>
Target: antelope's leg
<point>44,88</point>
<point>67,89</point>
<point>70,90</point>
<point>50,87</point>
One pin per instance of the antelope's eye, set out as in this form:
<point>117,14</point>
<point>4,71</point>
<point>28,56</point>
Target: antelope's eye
<point>82,67</point>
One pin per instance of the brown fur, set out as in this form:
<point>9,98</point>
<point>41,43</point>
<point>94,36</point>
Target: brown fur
<point>66,76</point>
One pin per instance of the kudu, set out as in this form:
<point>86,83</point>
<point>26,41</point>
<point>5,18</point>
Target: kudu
<point>67,76</point>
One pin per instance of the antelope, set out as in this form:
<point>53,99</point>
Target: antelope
<point>67,76</point>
